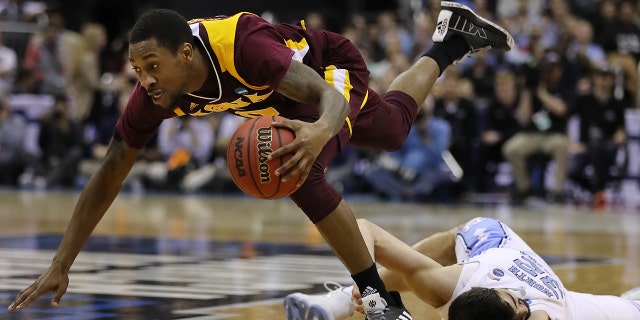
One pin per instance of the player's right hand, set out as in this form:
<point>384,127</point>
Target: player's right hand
<point>55,280</point>
<point>356,299</point>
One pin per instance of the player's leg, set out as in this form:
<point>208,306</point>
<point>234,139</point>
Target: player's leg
<point>459,31</point>
<point>335,221</point>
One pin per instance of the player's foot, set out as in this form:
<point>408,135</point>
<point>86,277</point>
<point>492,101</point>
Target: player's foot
<point>633,294</point>
<point>334,305</point>
<point>375,308</point>
<point>479,33</point>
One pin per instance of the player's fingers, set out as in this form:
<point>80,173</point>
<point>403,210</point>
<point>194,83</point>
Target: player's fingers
<point>301,168</point>
<point>291,168</point>
<point>285,169</point>
<point>303,172</point>
<point>25,298</point>
<point>357,302</point>
<point>55,301</point>
<point>287,123</point>
<point>289,148</point>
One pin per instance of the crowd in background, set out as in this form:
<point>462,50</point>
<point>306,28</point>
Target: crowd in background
<point>495,122</point>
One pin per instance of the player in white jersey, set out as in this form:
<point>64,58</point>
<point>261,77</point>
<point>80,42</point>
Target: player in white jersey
<point>481,270</point>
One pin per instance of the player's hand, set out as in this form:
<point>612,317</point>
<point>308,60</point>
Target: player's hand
<point>55,280</point>
<point>309,141</point>
<point>356,299</point>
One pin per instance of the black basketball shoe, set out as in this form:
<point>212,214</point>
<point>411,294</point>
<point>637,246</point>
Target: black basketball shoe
<point>479,33</point>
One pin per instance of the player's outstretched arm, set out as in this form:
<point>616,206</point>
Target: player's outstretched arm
<point>94,200</point>
<point>439,246</point>
<point>428,279</point>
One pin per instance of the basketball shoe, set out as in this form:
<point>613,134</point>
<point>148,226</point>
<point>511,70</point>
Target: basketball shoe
<point>334,305</point>
<point>633,294</point>
<point>479,33</point>
<point>375,308</point>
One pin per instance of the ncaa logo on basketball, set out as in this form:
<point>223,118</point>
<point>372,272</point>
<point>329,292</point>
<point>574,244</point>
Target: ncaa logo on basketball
<point>237,156</point>
<point>264,136</point>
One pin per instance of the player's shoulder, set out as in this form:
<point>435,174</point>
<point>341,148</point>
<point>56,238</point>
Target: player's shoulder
<point>224,19</point>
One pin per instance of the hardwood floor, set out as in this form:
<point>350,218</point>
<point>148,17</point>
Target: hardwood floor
<point>161,256</point>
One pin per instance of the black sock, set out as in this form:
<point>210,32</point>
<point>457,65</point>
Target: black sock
<point>369,282</point>
<point>445,53</point>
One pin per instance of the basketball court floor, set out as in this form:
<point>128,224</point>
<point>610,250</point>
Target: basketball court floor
<point>158,256</point>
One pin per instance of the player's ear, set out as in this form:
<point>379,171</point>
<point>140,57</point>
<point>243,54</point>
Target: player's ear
<point>186,51</point>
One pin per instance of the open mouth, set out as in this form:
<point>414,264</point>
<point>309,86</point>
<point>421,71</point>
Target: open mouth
<point>156,95</point>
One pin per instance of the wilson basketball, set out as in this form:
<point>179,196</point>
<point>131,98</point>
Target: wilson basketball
<point>247,160</point>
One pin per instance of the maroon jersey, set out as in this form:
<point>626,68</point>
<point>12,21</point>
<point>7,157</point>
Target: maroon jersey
<point>248,57</point>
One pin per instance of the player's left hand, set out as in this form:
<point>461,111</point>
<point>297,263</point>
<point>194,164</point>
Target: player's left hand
<point>309,141</point>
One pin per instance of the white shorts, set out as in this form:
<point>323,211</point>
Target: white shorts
<point>480,234</point>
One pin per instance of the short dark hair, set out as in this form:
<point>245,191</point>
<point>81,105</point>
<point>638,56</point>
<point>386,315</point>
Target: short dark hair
<point>480,304</point>
<point>168,27</point>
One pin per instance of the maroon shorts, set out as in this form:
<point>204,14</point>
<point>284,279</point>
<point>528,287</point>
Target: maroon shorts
<point>382,124</point>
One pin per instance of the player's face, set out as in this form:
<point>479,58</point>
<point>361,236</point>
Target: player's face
<point>160,71</point>
<point>519,306</point>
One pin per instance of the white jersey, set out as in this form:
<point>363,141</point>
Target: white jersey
<point>496,257</point>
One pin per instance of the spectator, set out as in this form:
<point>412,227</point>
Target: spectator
<point>602,133</point>
<point>8,67</point>
<point>543,120</point>
<point>390,30</point>
<point>86,85</point>
<point>20,10</point>
<point>187,144</point>
<point>51,57</point>
<point>582,50</point>
<point>460,113</point>
<point>621,42</point>
<point>61,142</point>
<point>500,125</point>
<point>12,135</point>
<point>481,73</point>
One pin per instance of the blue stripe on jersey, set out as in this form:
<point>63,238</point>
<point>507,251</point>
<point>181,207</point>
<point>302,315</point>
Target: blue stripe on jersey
<point>481,234</point>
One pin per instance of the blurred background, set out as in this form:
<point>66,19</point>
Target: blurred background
<point>554,120</point>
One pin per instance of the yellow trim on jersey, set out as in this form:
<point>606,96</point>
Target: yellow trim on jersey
<point>339,80</point>
<point>364,101</point>
<point>222,35</point>
<point>300,48</point>
<point>179,112</point>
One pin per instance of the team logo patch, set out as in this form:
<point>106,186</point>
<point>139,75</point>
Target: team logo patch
<point>495,274</point>
<point>241,91</point>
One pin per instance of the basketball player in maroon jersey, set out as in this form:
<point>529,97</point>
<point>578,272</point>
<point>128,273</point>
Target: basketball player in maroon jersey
<point>248,66</point>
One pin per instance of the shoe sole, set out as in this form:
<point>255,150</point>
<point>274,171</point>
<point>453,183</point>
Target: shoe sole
<point>468,14</point>
<point>633,294</point>
<point>296,309</point>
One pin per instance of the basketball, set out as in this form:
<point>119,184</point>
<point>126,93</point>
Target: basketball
<point>247,160</point>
